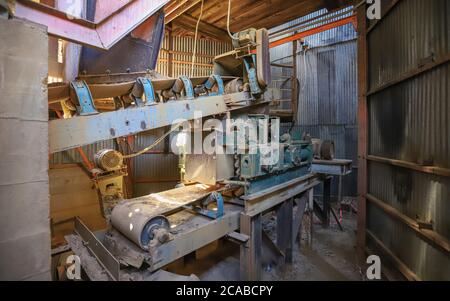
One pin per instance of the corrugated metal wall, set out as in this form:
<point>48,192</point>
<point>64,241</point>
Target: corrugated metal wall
<point>410,121</point>
<point>327,89</point>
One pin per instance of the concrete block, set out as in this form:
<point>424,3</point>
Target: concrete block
<point>23,70</point>
<point>25,258</point>
<point>24,209</point>
<point>24,151</point>
<point>24,193</point>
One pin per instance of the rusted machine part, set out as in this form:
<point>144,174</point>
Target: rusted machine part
<point>133,220</point>
<point>327,150</point>
<point>142,51</point>
<point>263,58</point>
<point>234,86</point>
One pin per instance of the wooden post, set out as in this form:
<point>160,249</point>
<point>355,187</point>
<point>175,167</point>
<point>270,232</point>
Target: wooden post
<point>170,61</point>
<point>285,228</point>
<point>326,201</point>
<point>250,256</point>
<point>311,215</point>
<point>362,133</point>
<point>294,84</point>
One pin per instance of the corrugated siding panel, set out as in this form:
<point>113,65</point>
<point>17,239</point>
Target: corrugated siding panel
<point>335,118</point>
<point>73,156</point>
<point>425,32</point>
<point>410,121</point>
<point>343,106</point>
<point>153,167</point>
<point>425,260</point>
<point>414,194</point>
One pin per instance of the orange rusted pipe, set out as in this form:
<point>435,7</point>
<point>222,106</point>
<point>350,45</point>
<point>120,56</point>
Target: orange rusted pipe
<point>306,33</point>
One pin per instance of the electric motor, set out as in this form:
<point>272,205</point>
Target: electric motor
<point>109,160</point>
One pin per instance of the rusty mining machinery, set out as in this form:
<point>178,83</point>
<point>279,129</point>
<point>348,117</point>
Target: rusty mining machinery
<point>222,195</point>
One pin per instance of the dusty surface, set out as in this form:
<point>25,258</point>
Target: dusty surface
<point>331,257</point>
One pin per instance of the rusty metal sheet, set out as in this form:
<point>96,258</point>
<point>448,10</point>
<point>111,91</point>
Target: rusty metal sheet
<point>102,35</point>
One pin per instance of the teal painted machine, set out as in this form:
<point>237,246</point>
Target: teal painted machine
<point>269,164</point>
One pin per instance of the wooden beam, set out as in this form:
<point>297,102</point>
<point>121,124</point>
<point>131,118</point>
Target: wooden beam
<point>433,170</point>
<point>250,256</point>
<point>284,229</point>
<point>408,75</point>
<point>273,15</point>
<point>402,267</point>
<point>181,8</point>
<point>294,104</point>
<point>298,218</point>
<point>430,236</point>
<point>188,22</point>
<point>362,133</point>
<point>170,62</point>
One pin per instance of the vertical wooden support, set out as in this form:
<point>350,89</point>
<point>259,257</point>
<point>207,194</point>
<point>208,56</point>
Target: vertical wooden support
<point>302,205</point>
<point>250,256</point>
<point>362,132</point>
<point>326,201</point>
<point>170,60</point>
<point>311,215</point>
<point>294,83</point>
<point>285,229</point>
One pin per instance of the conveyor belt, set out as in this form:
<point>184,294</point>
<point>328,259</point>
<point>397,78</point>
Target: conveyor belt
<point>136,218</point>
<point>60,92</point>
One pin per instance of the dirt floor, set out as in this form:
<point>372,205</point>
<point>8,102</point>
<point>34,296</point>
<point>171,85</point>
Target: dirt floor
<point>331,257</point>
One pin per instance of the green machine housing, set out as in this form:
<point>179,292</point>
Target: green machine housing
<point>275,162</point>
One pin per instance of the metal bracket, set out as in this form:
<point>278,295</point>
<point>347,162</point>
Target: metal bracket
<point>148,91</point>
<point>188,88</point>
<point>215,79</point>
<point>100,252</point>
<point>250,66</point>
<point>84,98</point>
<point>214,214</point>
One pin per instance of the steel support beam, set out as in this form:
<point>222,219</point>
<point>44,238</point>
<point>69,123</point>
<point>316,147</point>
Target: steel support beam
<point>195,239</point>
<point>69,133</point>
<point>313,31</point>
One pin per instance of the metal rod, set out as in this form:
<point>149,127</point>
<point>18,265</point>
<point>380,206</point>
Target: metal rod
<point>313,31</point>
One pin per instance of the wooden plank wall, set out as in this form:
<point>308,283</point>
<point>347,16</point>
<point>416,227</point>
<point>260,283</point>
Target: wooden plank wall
<point>72,193</point>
